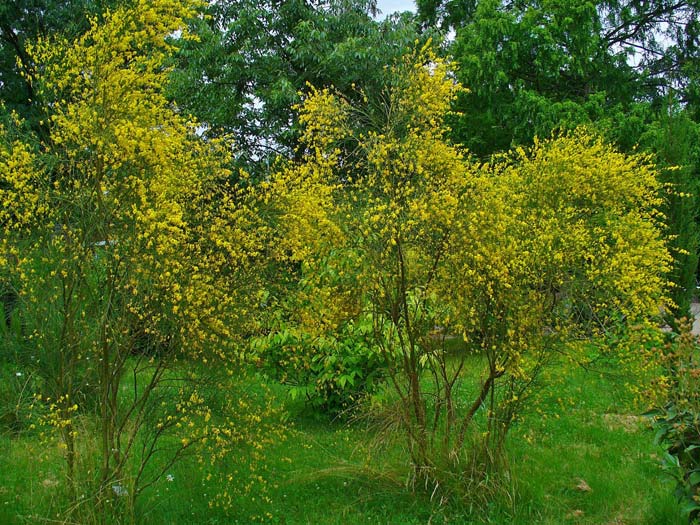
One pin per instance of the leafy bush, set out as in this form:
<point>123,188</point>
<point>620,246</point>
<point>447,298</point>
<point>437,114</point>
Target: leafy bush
<point>678,421</point>
<point>331,372</point>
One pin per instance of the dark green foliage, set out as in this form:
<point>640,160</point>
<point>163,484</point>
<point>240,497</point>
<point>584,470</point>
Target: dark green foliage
<point>682,459</point>
<point>534,67</point>
<point>9,298</point>
<point>675,139</point>
<point>15,367</point>
<point>17,382</point>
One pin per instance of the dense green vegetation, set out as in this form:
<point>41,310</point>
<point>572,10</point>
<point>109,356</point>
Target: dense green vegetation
<point>261,260</point>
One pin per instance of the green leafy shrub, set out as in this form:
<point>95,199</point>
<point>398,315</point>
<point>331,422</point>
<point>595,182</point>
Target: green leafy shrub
<point>678,421</point>
<point>330,372</point>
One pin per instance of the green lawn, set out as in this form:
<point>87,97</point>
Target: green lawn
<point>581,456</point>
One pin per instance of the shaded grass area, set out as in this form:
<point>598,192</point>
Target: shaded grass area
<point>581,455</point>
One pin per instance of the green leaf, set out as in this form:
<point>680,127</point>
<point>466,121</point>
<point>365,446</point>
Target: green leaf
<point>660,435</point>
<point>689,507</point>
<point>694,478</point>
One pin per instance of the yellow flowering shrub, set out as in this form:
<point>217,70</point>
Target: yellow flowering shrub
<point>508,261</point>
<point>559,244</point>
<point>135,258</point>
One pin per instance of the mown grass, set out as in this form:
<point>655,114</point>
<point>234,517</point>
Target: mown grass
<point>587,457</point>
<point>580,455</point>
